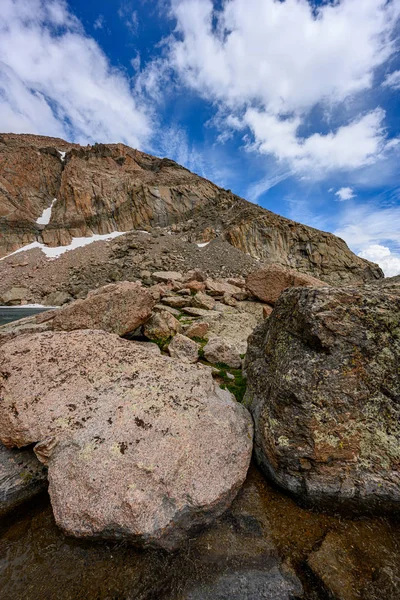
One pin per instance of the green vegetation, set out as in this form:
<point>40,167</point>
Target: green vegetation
<point>236,386</point>
<point>162,343</point>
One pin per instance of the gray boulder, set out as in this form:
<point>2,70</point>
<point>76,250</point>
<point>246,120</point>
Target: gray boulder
<point>324,390</point>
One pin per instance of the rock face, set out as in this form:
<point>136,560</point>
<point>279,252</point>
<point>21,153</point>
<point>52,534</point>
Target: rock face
<point>268,283</point>
<point>138,446</point>
<point>108,187</point>
<point>118,308</point>
<point>22,476</point>
<point>324,389</point>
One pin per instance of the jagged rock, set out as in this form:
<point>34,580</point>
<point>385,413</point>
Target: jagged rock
<point>195,275</point>
<point>241,296</point>
<point>239,282</point>
<point>164,307</point>
<point>221,287</point>
<point>229,300</point>
<point>201,300</point>
<point>118,308</point>
<point>22,477</point>
<point>268,283</point>
<point>167,276</point>
<point>139,446</point>
<point>14,296</point>
<point>197,312</point>
<point>195,286</point>
<point>198,330</point>
<point>324,388</point>
<point>175,301</point>
<point>184,349</point>
<point>218,350</point>
<point>161,326</point>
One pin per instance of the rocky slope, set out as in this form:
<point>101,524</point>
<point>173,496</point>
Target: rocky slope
<point>103,188</point>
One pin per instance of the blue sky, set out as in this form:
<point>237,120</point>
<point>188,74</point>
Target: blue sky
<point>293,104</point>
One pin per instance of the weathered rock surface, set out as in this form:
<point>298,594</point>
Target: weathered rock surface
<point>107,187</point>
<point>199,330</point>
<point>184,349</point>
<point>218,350</point>
<point>139,446</point>
<point>201,300</point>
<point>22,477</point>
<point>324,388</point>
<point>161,326</point>
<point>268,283</point>
<point>118,308</point>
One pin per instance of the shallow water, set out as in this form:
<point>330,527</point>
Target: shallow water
<point>252,552</point>
<point>13,313</point>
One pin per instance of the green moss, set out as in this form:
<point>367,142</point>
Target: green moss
<point>162,343</point>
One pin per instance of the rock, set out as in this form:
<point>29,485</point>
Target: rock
<point>14,296</point>
<point>167,276</point>
<point>218,350</point>
<point>229,300</point>
<point>323,387</point>
<point>175,301</point>
<point>118,308</point>
<point>359,561</point>
<point>164,307</point>
<point>201,300</point>
<point>268,283</point>
<point>22,477</point>
<point>139,446</point>
<point>267,310</point>
<point>197,330</point>
<point>33,324</point>
<point>241,296</point>
<point>221,287</point>
<point>239,282</point>
<point>184,349</point>
<point>195,286</point>
<point>195,275</point>
<point>161,326</point>
<point>197,312</point>
<point>233,326</point>
<point>57,299</point>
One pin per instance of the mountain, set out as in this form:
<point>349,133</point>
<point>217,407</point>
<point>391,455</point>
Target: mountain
<point>52,191</point>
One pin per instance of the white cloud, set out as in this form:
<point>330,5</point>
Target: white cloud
<point>55,80</point>
<point>389,263</point>
<point>345,193</point>
<point>130,17</point>
<point>265,64</point>
<point>99,22</point>
<point>373,233</point>
<point>393,80</point>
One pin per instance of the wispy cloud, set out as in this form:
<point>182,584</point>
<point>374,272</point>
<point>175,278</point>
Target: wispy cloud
<point>345,193</point>
<point>55,80</point>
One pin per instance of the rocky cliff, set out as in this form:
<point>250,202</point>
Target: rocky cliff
<point>103,188</point>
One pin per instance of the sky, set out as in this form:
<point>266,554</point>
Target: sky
<point>292,104</point>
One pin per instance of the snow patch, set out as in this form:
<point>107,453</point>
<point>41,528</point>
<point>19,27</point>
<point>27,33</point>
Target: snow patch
<point>44,219</point>
<point>203,244</point>
<point>62,155</point>
<point>77,242</point>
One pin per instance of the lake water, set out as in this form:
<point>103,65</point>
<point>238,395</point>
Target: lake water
<point>13,313</point>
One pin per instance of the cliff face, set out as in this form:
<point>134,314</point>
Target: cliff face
<point>104,188</point>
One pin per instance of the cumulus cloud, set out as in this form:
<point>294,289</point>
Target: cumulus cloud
<point>393,80</point>
<point>389,262</point>
<point>266,64</point>
<point>374,233</point>
<point>345,193</point>
<point>55,80</point>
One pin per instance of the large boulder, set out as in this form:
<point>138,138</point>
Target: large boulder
<point>22,477</point>
<point>218,350</point>
<point>268,283</point>
<point>138,446</point>
<point>324,390</point>
<point>117,308</point>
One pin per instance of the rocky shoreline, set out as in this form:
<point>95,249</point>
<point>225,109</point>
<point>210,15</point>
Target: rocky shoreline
<point>135,400</point>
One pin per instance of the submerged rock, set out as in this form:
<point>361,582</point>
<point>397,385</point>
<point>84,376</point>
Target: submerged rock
<point>22,477</point>
<point>139,446</point>
<point>324,390</point>
<point>118,308</point>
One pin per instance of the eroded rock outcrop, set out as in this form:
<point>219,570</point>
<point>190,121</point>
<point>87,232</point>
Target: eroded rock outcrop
<point>111,187</point>
<point>139,446</point>
<point>324,389</point>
